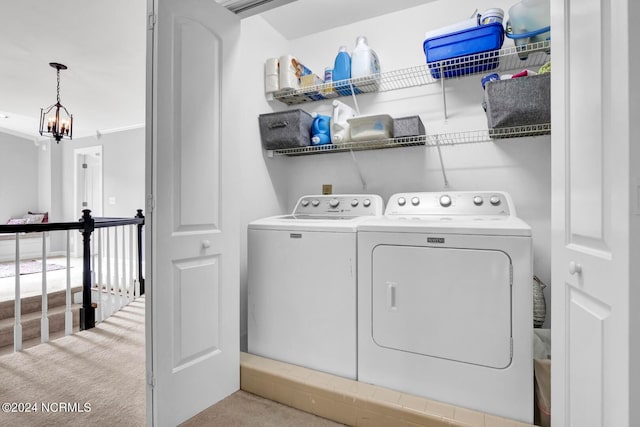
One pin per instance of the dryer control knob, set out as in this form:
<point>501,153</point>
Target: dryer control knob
<point>354,202</point>
<point>478,201</point>
<point>366,203</point>
<point>402,201</point>
<point>315,203</point>
<point>445,201</point>
<point>334,203</point>
<point>304,203</point>
<point>415,201</point>
<point>495,200</point>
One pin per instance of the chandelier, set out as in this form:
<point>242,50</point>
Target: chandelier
<point>56,120</point>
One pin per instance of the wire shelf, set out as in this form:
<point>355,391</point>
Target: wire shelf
<point>499,61</point>
<point>454,138</point>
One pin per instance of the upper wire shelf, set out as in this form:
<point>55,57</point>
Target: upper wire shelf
<point>512,58</point>
<point>434,140</point>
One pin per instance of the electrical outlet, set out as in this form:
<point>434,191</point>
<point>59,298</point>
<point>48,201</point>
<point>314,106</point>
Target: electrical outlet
<point>327,189</point>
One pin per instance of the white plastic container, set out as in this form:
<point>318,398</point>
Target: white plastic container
<point>527,20</point>
<point>453,28</point>
<point>340,122</point>
<point>491,15</point>
<point>271,79</point>
<point>367,128</point>
<point>364,61</point>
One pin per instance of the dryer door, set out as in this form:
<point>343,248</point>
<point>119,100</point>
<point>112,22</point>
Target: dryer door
<point>447,303</point>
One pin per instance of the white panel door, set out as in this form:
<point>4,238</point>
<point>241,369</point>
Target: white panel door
<point>193,357</point>
<point>590,213</point>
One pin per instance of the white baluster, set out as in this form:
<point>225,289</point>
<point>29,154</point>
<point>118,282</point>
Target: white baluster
<point>94,274</point>
<point>68,315</point>
<point>131,280</point>
<point>44,322</point>
<point>101,310</point>
<point>111,296</point>
<point>123,279</point>
<point>17,325</point>
<point>137,268</point>
<point>116,274</point>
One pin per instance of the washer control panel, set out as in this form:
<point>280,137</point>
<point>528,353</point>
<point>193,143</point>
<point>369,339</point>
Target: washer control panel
<point>342,205</point>
<point>451,203</point>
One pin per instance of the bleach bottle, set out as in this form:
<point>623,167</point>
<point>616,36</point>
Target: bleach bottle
<point>342,71</point>
<point>320,129</point>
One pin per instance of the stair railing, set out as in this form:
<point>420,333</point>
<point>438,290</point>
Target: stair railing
<point>112,291</point>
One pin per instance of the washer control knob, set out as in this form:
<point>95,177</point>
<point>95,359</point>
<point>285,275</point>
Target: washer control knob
<point>354,202</point>
<point>445,201</point>
<point>366,203</point>
<point>315,203</point>
<point>402,201</point>
<point>415,201</point>
<point>304,203</point>
<point>334,203</point>
<point>478,201</point>
<point>495,200</point>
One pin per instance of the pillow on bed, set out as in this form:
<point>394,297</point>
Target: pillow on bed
<point>34,218</point>
<point>18,221</point>
<point>45,215</point>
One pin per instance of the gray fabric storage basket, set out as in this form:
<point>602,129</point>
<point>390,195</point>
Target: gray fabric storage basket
<point>285,129</point>
<point>408,126</point>
<point>517,102</point>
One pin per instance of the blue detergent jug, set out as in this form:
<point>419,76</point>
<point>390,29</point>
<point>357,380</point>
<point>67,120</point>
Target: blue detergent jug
<point>342,71</point>
<point>320,129</point>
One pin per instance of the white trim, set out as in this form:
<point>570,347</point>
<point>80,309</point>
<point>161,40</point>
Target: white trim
<point>120,129</point>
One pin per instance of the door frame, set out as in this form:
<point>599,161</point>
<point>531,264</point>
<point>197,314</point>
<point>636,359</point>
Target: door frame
<point>93,151</point>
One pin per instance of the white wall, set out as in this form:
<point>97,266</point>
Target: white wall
<point>519,166</point>
<point>263,181</point>
<point>18,177</point>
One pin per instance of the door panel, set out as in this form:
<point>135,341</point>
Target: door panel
<point>197,114</point>
<point>196,328</point>
<point>585,322</point>
<point>586,160</point>
<point>194,259</point>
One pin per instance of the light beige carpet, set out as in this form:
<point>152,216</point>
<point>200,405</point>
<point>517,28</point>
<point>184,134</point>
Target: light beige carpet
<point>97,378</point>
<point>243,409</point>
<point>92,378</point>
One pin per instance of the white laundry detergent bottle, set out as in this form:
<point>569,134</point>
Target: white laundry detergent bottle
<point>364,61</point>
<point>339,125</point>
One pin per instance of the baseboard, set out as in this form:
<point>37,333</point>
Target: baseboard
<point>351,402</point>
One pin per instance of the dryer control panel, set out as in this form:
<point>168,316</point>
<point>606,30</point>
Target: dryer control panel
<point>451,203</point>
<point>340,205</point>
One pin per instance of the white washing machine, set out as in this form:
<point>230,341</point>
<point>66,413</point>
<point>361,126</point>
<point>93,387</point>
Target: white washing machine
<point>445,301</point>
<point>302,282</point>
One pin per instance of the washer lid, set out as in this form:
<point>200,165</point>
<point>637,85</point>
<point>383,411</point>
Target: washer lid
<point>306,223</point>
<point>493,225</point>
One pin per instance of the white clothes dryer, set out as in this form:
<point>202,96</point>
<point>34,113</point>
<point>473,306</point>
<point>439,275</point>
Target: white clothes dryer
<point>445,301</point>
<point>302,282</point>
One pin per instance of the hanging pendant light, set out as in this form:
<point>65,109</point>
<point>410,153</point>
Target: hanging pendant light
<point>56,120</point>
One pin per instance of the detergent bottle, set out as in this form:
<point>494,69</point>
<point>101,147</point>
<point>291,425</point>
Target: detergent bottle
<point>320,129</point>
<point>364,61</point>
<point>342,71</point>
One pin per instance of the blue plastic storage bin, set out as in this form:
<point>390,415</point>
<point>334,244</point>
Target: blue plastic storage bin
<point>450,47</point>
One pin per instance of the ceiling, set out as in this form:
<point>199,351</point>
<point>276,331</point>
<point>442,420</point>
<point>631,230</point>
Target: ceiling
<point>103,43</point>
